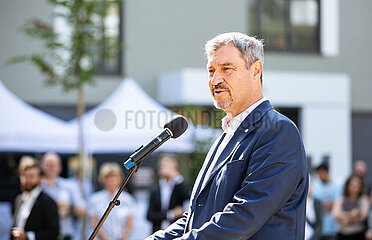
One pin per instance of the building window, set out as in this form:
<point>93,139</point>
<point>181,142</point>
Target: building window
<point>108,54</point>
<point>286,25</point>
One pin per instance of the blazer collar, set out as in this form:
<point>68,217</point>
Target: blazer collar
<point>237,120</point>
<point>245,128</point>
<point>255,116</point>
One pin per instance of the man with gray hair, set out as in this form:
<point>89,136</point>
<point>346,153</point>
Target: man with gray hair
<point>67,195</point>
<point>253,183</point>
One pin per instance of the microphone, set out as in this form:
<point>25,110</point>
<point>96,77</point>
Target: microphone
<point>174,128</point>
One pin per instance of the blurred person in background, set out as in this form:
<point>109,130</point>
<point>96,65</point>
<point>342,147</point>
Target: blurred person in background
<point>24,162</point>
<point>314,217</point>
<point>368,234</point>
<point>351,210</point>
<point>6,207</point>
<point>361,169</point>
<point>119,223</point>
<point>67,196</point>
<point>86,188</point>
<point>171,194</point>
<point>36,214</point>
<point>326,191</point>
<point>5,220</point>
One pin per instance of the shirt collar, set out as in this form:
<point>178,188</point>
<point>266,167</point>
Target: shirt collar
<point>33,194</point>
<point>176,180</point>
<point>234,123</point>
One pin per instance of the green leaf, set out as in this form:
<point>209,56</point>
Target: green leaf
<point>18,59</point>
<point>43,65</point>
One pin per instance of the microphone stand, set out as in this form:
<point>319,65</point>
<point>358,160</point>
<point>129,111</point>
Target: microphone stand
<point>115,202</point>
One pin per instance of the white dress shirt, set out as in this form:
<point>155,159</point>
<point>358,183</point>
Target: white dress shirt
<point>229,127</point>
<point>65,191</point>
<point>166,190</point>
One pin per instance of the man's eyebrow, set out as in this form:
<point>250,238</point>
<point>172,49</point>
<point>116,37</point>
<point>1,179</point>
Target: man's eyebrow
<point>226,64</point>
<point>222,64</point>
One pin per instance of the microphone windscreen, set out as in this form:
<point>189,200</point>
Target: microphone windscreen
<point>177,125</point>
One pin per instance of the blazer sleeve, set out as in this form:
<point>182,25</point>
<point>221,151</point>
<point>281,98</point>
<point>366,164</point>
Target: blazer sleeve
<point>154,212</point>
<point>50,219</point>
<point>174,231</point>
<point>275,170</point>
<point>185,191</point>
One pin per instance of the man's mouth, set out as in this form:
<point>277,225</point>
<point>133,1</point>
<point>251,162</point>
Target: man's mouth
<point>219,91</point>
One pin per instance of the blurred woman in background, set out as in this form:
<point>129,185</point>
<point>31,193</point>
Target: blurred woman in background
<point>119,223</point>
<point>351,210</point>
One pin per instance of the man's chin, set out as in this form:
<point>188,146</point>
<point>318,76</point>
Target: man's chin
<point>29,189</point>
<point>222,104</point>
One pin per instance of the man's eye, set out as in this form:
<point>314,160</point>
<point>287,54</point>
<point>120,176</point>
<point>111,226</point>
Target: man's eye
<point>211,71</point>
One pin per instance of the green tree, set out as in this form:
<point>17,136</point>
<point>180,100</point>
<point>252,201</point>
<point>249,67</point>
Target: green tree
<point>69,59</point>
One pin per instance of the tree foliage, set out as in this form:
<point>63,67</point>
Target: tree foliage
<point>69,59</point>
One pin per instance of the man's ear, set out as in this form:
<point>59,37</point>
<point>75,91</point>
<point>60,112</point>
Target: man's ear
<point>257,69</point>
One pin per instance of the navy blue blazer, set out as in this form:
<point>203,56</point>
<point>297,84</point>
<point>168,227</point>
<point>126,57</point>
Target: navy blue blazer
<point>257,189</point>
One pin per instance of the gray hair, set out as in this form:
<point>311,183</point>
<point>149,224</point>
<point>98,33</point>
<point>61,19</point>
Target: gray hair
<point>251,48</point>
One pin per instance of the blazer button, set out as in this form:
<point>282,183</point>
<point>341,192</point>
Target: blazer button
<point>200,205</point>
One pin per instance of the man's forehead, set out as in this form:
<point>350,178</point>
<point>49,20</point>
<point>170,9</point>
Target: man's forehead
<point>223,60</point>
<point>51,161</point>
<point>31,171</point>
<point>226,55</point>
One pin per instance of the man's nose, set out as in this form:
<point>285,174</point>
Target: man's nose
<point>216,78</point>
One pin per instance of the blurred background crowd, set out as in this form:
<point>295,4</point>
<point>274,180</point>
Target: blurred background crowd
<point>84,83</point>
<point>335,210</point>
<point>78,205</point>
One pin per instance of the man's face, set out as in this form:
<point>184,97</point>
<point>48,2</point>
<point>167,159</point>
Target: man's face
<point>51,166</point>
<point>360,169</point>
<point>167,167</point>
<point>233,87</point>
<point>31,178</point>
<point>323,175</point>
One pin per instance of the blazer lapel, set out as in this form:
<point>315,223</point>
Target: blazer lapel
<point>245,128</point>
<point>199,179</point>
<point>203,169</point>
<point>227,152</point>
<point>17,205</point>
<point>34,211</point>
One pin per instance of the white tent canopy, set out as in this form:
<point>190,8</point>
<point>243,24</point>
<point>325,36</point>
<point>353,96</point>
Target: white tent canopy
<point>24,128</point>
<point>127,119</point>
